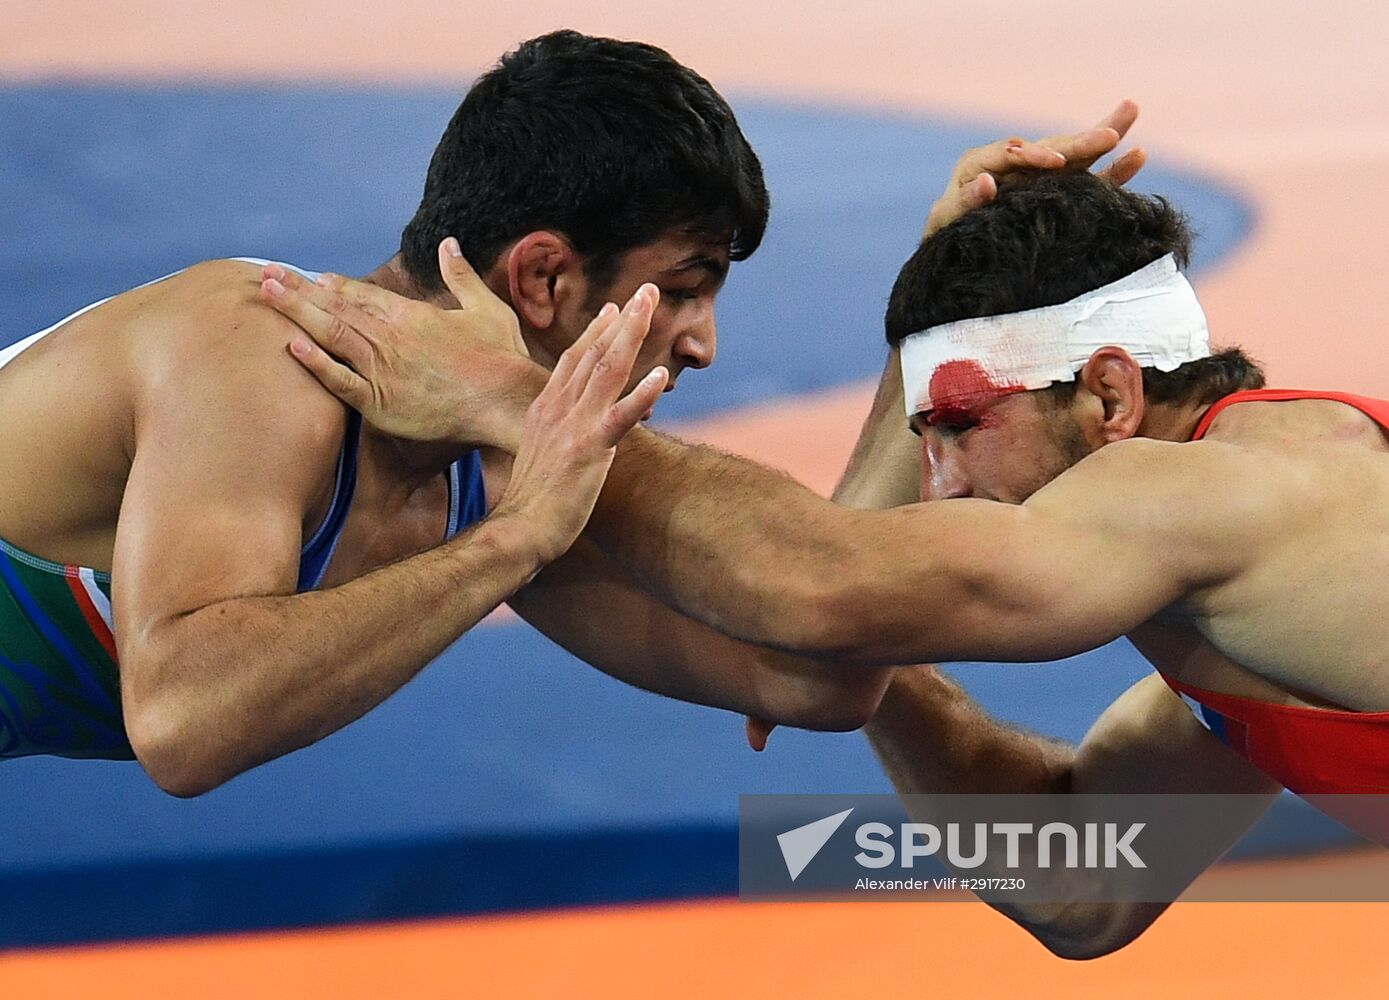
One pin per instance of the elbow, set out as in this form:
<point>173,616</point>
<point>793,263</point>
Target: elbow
<point>1083,931</point>
<point>845,704</point>
<point>838,622</point>
<point>171,753</point>
<point>834,699</point>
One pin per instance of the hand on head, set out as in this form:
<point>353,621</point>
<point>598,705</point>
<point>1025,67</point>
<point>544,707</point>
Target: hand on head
<point>974,181</point>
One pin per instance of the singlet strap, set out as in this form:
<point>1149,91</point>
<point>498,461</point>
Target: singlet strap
<point>467,493</point>
<point>1362,403</point>
<point>318,552</point>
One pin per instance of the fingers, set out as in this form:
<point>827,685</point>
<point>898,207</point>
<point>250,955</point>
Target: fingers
<point>1081,149</point>
<point>973,181</point>
<point>1005,155</point>
<point>1126,167</point>
<point>627,338</point>
<point>954,204</point>
<point>606,364</point>
<point>757,731</point>
<point>337,378</point>
<point>1033,155</point>
<point>373,300</point>
<point>628,411</point>
<point>569,360</point>
<point>323,315</point>
<point>458,274</point>
<point>1121,119</point>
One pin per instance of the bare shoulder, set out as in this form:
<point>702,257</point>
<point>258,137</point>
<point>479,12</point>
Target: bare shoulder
<point>203,338</point>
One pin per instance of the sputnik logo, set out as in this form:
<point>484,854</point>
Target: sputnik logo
<point>799,846</point>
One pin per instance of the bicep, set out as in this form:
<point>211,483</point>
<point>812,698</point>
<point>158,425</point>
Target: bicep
<point>227,458</point>
<point>959,580</point>
<point>1100,550</point>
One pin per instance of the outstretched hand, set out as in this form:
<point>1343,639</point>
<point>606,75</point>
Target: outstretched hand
<point>573,427</point>
<point>974,181</point>
<point>411,369</point>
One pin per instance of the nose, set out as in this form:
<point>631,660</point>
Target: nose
<point>698,342</point>
<point>942,474</point>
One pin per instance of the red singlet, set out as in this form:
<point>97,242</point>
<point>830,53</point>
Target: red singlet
<point>1308,750</point>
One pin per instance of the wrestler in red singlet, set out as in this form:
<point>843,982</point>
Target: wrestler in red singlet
<point>1308,750</point>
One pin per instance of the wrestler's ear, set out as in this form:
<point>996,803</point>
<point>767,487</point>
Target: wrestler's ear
<point>1114,381</point>
<point>542,269</point>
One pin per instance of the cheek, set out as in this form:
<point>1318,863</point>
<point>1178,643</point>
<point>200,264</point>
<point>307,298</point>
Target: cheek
<point>660,341</point>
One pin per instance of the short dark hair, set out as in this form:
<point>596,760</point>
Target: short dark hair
<point>1047,237</point>
<point>610,143</point>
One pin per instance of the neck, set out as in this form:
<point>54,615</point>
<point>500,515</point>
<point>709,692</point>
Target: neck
<point>399,465</point>
<point>411,464</point>
<point>1172,421</point>
<point>393,277</point>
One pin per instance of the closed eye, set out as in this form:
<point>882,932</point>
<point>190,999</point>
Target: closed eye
<point>955,427</point>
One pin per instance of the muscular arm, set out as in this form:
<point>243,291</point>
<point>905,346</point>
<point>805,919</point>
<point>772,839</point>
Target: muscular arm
<point>885,467</point>
<point>932,739</point>
<point>587,605</point>
<point>223,666</point>
<point>756,555</point>
<point>590,606</point>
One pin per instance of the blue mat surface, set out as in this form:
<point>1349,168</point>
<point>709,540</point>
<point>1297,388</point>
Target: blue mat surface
<point>509,775</point>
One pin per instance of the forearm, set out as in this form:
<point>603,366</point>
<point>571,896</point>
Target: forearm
<point>712,525</point>
<point>590,607</point>
<point>740,547</point>
<point>884,469</point>
<point>932,740</point>
<point>240,682</point>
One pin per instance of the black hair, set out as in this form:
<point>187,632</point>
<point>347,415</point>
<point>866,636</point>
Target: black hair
<point>1047,237</point>
<point>609,143</point>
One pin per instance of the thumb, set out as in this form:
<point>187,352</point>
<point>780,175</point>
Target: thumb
<point>458,274</point>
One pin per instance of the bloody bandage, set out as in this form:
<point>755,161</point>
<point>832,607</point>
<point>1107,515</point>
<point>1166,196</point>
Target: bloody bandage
<point>1152,313</point>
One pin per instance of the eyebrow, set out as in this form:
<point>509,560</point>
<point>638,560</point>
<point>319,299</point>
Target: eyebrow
<point>716,268</point>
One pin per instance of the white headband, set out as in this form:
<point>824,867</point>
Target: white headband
<point>1152,313</point>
